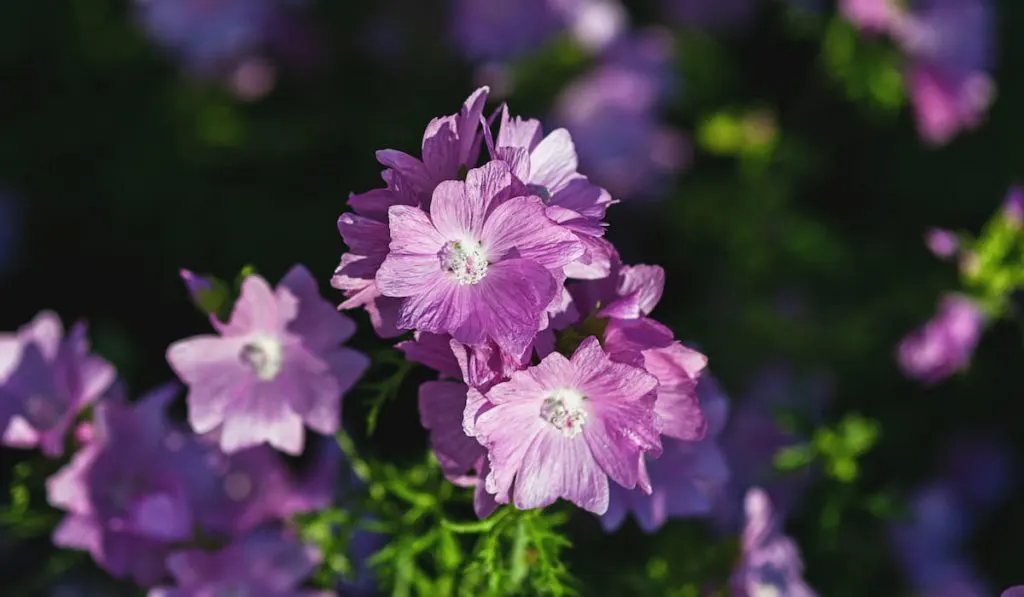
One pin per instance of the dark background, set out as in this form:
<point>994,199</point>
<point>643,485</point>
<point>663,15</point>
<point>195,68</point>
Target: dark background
<point>127,170</point>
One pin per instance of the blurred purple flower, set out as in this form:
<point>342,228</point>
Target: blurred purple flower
<point>1013,206</point>
<point>754,435</point>
<point>229,39</point>
<point>873,16</point>
<point>126,498</point>
<point>613,113</point>
<point>942,243</point>
<point>267,562</point>
<point>275,367</point>
<point>770,562</point>
<point>499,30</point>
<point>951,47</point>
<point>713,14</point>
<point>945,344</point>
<point>979,469</point>
<point>46,379</point>
<point>361,547</point>
<point>685,480</point>
<point>1017,591</point>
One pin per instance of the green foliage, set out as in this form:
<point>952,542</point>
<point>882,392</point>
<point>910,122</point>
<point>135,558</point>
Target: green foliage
<point>838,448</point>
<point>867,69</point>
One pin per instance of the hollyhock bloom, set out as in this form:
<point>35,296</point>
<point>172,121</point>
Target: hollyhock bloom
<point>950,45</point>
<point>942,243</point>
<point>265,562</point>
<point>945,344</point>
<point>46,379</point>
<point>713,14</point>
<point>770,563</point>
<point>562,428</point>
<point>274,366</point>
<point>481,264</point>
<point>687,477</point>
<point>547,166</point>
<point>450,145</point>
<point>613,113</point>
<point>126,499</point>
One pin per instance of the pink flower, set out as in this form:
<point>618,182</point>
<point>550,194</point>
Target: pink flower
<point>276,365</point>
<point>562,428</point>
<point>945,344</point>
<point>480,265</point>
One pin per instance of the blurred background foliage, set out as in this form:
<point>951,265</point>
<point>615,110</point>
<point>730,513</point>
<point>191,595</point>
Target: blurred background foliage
<point>795,237</point>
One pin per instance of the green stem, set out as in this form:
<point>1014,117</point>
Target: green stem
<point>472,528</point>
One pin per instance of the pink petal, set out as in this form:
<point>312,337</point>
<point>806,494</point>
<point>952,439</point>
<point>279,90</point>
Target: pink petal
<point>507,305</point>
<point>262,415</point>
<point>489,185</point>
<point>441,407</point>
<point>260,309</point>
<point>521,224</point>
<point>646,281</point>
<point>553,162</point>
<point>456,214</point>
<point>518,132</point>
<point>412,232</point>
<point>318,323</point>
<point>556,466</point>
<point>404,275</point>
<point>507,431</point>
<point>211,367</point>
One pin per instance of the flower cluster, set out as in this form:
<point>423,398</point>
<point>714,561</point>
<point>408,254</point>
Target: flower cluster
<point>208,507</point>
<point>950,49</point>
<point>555,378</point>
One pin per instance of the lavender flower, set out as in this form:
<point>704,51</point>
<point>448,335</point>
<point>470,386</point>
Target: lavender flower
<point>265,562</point>
<point>1017,591</point>
<point>563,427</point>
<point>945,344</point>
<point>685,480</point>
<point>276,365</point>
<point>46,379</point>
<point>500,30</point>
<point>126,500</point>
<point>613,114</point>
<point>944,244</point>
<point>873,16</point>
<point>770,563</point>
<point>1013,207</point>
<point>482,264</point>
<point>450,144</point>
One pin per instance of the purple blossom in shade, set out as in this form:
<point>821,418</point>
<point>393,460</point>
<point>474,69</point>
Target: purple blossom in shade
<point>942,243</point>
<point>481,264</point>
<point>266,562</point>
<point>873,16</point>
<point>274,366</point>
<point>754,435</point>
<point>595,24</point>
<point>46,379</point>
<point>979,469</point>
<point>362,546</point>
<point>126,499</point>
<point>613,113</point>
<point>1013,207</point>
<point>562,428</point>
<point>951,48</point>
<point>929,547</point>
<point>770,563</point>
<point>547,166</point>
<point>1017,591</point>
<point>945,344</point>
<point>713,14</point>
<point>498,30</point>
<point>685,480</point>
<point>450,144</point>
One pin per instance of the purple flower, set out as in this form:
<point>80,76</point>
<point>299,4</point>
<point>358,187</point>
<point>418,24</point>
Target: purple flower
<point>1017,591</point>
<point>979,469</point>
<point>126,498</point>
<point>481,264</point>
<point>275,365</point>
<point>713,14</point>
<point>942,243</point>
<point>945,344</point>
<point>770,563</point>
<point>562,428</point>
<point>685,480</point>
<point>950,44</point>
<point>613,115</point>
<point>450,144</point>
<point>546,165</point>
<point>875,16</point>
<point>267,562</point>
<point>1013,207</point>
<point>46,379</point>
<point>500,30</point>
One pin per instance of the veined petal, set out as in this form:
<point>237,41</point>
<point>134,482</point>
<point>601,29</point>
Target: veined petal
<point>521,224</point>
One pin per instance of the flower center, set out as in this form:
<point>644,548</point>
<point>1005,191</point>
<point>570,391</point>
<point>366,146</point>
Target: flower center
<point>765,590</point>
<point>263,355</point>
<point>465,261</point>
<point>564,410</point>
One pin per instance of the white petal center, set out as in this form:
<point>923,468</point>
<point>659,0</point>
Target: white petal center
<point>564,410</point>
<point>466,261</point>
<point>263,355</point>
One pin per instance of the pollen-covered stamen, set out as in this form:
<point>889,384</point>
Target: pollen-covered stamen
<point>540,191</point>
<point>564,410</point>
<point>263,355</point>
<point>466,261</point>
